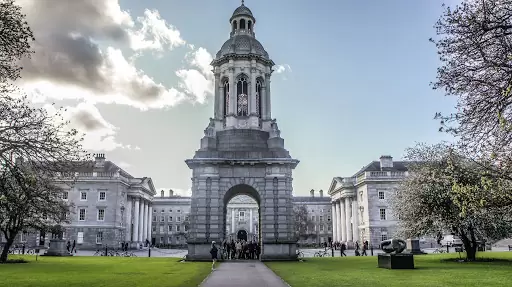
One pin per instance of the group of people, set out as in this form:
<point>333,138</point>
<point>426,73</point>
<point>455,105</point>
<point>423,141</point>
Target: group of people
<point>71,248</point>
<point>240,249</point>
<point>342,247</point>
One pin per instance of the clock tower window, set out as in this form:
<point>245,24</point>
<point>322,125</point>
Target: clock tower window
<point>242,97</point>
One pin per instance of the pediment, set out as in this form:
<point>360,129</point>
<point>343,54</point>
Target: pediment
<point>336,183</point>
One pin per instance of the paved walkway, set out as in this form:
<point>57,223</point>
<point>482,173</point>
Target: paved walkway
<point>243,273</point>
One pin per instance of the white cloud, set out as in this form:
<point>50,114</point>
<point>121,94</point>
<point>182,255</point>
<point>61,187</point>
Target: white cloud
<point>197,82</point>
<point>78,53</point>
<point>86,118</point>
<point>279,69</point>
<point>124,165</point>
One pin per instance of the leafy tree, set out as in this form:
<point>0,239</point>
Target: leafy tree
<point>426,201</point>
<point>303,222</point>
<point>474,46</point>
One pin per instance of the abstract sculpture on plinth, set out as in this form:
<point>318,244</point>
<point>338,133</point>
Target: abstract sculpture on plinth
<point>57,243</point>
<point>394,258</point>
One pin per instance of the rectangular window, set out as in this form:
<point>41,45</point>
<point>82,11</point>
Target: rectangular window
<point>383,237</point>
<point>65,195</point>
<point>241,216</point>
<point>153,228</point>
<point>161,229</point>
<point>23,236</point>
<point>328,218</point>
<point>178,228</point>
<point>162,218</point>
<point>178,219</point>
<point>83,195</point>
<point>101,214</point>
<point>99,237</point>
<point>154,218</point>
<point>329,228</point>
<point>170,218</point>
<point>381,194</point>
<point>80,238</point>
<point>162,211</point>
<point>321,218</point>
<point>169,228</point>
<point>162,240</point>
<point>186,218</point>
<point>102,196</point>
<point>382,213</point>
<point>81,214</point>
<point>186,227</point>
<point>322,227</point>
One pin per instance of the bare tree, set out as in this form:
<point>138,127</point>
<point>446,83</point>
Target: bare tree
<point>15,38</point>
<point>426,202</point>
<point>303,223</point>
<point>474,43</point>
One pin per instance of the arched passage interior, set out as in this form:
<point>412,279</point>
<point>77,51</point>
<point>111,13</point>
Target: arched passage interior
<point>238,223</point>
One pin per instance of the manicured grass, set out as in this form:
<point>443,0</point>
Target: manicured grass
<point>431,271</point>
<point>103,271</point>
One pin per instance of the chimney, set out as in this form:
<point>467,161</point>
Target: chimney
<point>162,193</point>
<point>321,193</point>
<point>386,161</point>
<point>171,192</point>
<point>312,192</point>
<point>99,160</point>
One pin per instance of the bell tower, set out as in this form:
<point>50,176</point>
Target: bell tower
<point>242,151</point>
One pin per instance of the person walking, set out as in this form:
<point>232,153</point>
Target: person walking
<point>357,249</point>
<point>73,247</point>
<point>343,247</point>
<point>365,247</point>
<point>68,247</point>
<point>213,252</point>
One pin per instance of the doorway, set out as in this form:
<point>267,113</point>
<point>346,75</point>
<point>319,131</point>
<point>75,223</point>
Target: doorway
<point>241,235</point>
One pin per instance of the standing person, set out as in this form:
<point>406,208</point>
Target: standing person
<point>343,247</point>
<point>213,252</point>
<point>68,247</point>
<point>73,247</point>
<point>365,247</point>
<point>357,249</point>
<point>228,250</point>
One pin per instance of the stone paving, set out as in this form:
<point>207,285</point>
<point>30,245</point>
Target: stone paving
<point>243,273</point>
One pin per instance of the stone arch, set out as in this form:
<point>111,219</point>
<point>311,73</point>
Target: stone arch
<point>238,187</point>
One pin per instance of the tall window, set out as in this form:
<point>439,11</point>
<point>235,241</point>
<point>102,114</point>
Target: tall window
<point>178,228</point>
<point>381,194</point>
<point>81,214</point>
<point>80,237</point>
<point>102,196</point>
<point>83,195</point>
<point>382,213</point>
<point>65,195</point>
<point>226,97</point>
<point>258,98</point>
<point>242,98</point>
<point>241,216</point>
<point>161,229</point>
<point>169,228</point>
<point>99,237</point>
<point>170,219</point>
<point>101,214</point>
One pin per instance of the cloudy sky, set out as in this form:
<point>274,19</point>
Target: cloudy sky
<point>351,81</point>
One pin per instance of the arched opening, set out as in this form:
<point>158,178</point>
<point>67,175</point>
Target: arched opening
<point>249,25</point>
<point>242,230</point>
<point>242,99</point>
<point>234,25</point>
<point>259,88</point>
<point>226,97</point>
<point>242,24</point>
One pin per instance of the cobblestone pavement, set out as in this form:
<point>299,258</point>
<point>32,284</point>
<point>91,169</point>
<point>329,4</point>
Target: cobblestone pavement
<point>180,253</point>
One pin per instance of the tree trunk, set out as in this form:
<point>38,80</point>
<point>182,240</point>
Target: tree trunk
<point>5,251</point>
<point>470,247</point>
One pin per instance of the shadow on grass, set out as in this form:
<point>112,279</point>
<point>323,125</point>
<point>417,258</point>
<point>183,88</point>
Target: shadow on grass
<point>14,261</point>
<point>482,260</point>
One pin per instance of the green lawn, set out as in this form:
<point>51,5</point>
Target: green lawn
<point>363,271</point>
<point>103,271</point>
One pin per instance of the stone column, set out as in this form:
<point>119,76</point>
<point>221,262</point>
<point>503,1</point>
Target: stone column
<point>268,108</point>
<point>263,98</point>
<point>338,220</point>
<point>250,221</point>
<point>343,230</point>
<point>348,212</point>
<point>232,220</point>
<point>135,235</point>
<point>232,92</point>
<point>222,100</point>
<point>141,220</point>
<point>144,221</point>
<point>334,223</point>
<point>355,222</point>
<point>150,221</point>
<point>252,94</point>
<point>128,224</point>
<point>217,114</point>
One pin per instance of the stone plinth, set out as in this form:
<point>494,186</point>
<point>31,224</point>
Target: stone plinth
<point>396,261</point>
<point>57,248</point>
<point>413,247</point>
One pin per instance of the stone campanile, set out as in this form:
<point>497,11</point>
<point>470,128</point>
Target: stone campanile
<point>242,151</point>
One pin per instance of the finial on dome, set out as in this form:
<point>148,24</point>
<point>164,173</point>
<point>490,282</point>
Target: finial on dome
<point>243,2</point>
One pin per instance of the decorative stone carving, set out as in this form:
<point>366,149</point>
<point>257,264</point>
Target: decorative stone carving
<point>274,132</point>
<point>242,124</point>
<point>210,129</point>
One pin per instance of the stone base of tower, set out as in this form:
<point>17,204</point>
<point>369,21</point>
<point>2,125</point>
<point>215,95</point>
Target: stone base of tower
<point>285,251</point>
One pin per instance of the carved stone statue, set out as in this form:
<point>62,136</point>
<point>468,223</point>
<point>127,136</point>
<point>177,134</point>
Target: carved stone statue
<point>210,129</point>
<point>275,132</point>
<point>393,246</point>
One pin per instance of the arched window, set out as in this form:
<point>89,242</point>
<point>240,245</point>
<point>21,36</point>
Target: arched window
<point>258,97</point>
<point>234,26</point>
<point>249,24</point>
<point>242,98</point>
<point>226,98</point>
<point>242,24</point>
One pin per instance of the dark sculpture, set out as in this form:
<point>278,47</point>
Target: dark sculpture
<point>393,246</point>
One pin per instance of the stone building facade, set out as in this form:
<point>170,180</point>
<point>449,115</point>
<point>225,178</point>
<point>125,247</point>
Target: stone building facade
<point>320,216</point>
<point>360,203</point>
<point>109,206</point>
<point>242,151</point>
<point>170,219</point>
